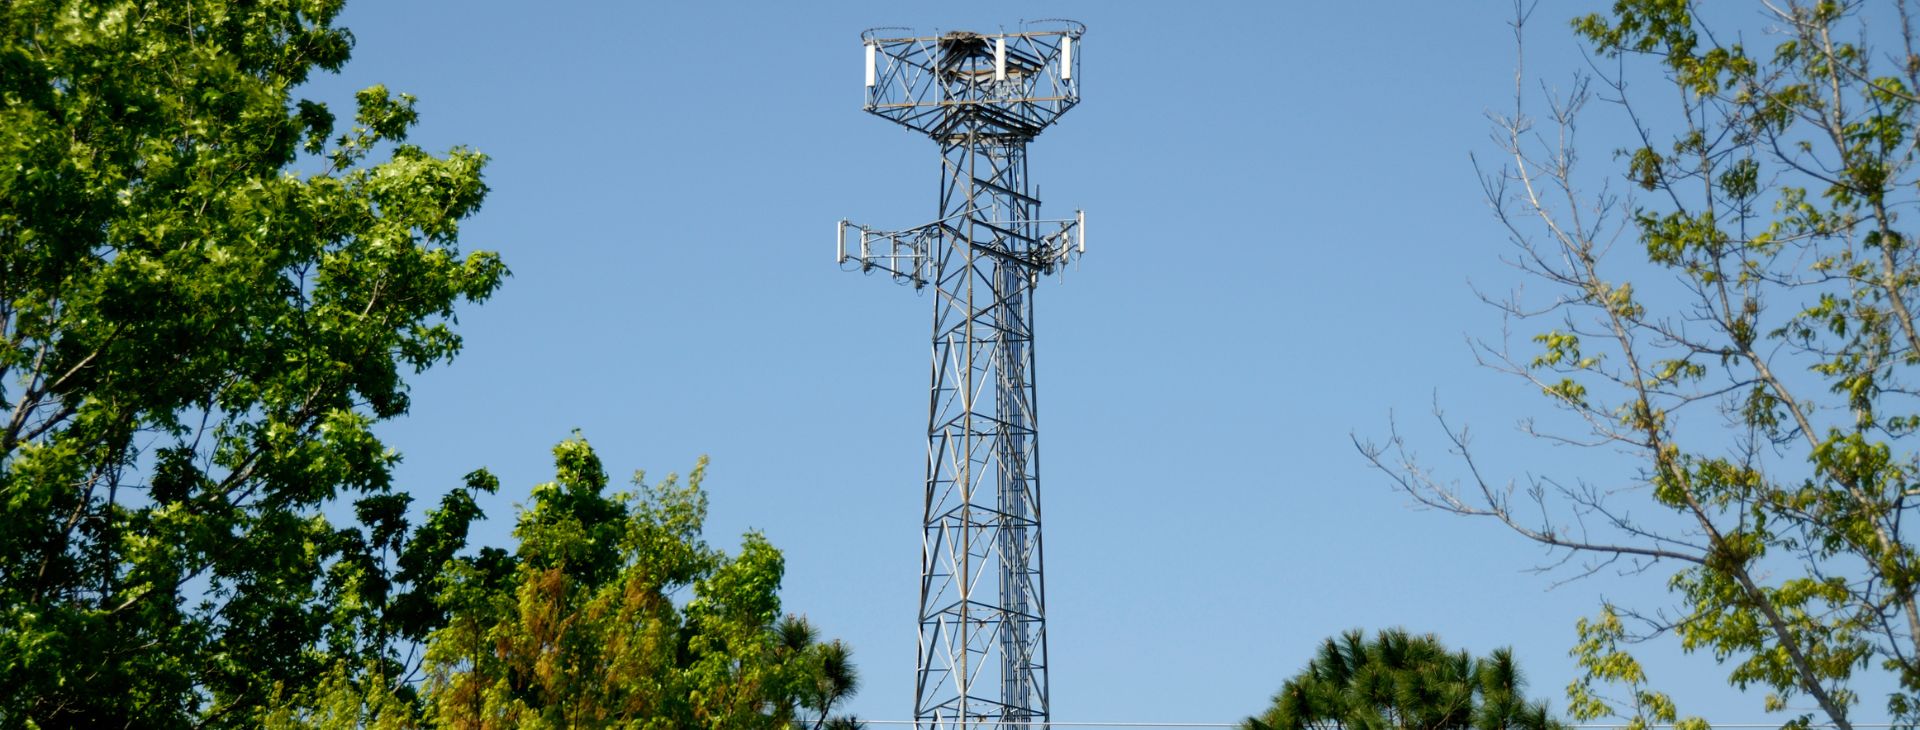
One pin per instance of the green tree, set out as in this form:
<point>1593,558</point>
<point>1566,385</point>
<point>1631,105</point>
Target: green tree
<point>614,612</point>
<point>1752,357</point>
<point>1399,681</point>
<point>209,294</point>
<point>831,677</point>
<point>345,698</point>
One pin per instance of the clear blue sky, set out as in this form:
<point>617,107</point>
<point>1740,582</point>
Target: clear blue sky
<point>1284,227</point>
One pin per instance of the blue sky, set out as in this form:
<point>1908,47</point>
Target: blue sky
<point>1286,230</point>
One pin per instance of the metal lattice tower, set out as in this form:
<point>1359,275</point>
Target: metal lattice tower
<point>981,97</point>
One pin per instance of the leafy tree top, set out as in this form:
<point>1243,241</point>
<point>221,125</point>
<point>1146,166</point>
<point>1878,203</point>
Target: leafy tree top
<point>615,611</point>
<point>196,340</point>
<point>1403,681</point>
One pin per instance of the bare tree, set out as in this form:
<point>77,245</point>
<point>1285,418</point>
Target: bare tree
<point>1730,308</point>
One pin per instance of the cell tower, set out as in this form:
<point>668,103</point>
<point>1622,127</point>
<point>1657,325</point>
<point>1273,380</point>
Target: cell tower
<point>983,605</point>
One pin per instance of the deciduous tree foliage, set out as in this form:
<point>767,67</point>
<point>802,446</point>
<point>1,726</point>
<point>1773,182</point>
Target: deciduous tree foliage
<point>1400,681</point>
<point>1753,355</point>
<point>614,612</point>
<point>210,291</point>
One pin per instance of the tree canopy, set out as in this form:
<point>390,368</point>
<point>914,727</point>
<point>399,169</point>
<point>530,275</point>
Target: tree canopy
<point>1403,681</point>
<point>614,612</point>
<point>1752,356</point>
<point>210,291</point>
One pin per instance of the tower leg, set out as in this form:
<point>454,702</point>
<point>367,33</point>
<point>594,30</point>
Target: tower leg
<point>982,647</point>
